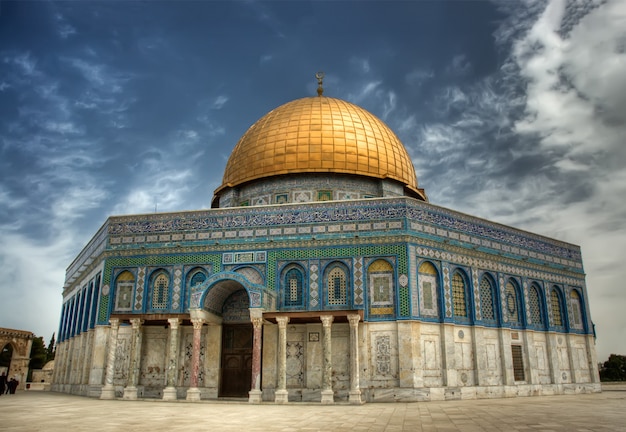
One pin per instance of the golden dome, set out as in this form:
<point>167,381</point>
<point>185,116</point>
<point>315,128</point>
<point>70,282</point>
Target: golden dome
<point>318,135</point>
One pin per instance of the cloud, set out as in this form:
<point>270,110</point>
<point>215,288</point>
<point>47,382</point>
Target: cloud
<point>459,65</point>
<point>417,77</point>
<point>220,101</point>
<point>27,65</point>
<point>98,76</point>
<point>27,265</point>
<point>159,190</point>
<point>540,144</point>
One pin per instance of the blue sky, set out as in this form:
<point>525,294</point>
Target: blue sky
<point>514,111</point>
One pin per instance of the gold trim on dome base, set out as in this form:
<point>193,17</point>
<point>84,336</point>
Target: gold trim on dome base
<point>321,135</point>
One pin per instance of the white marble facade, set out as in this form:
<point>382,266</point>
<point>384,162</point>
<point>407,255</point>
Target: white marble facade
<point>400,361</point>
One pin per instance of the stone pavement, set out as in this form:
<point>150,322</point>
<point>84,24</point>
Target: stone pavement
<point>52,412</point>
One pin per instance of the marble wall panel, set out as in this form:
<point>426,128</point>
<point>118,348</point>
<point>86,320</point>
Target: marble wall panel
<point>153,357</point>
<point>296,358</point>
<point>341,356</point>
<point>122,356</point>
<point>314,356</point>
<point>383,349</point>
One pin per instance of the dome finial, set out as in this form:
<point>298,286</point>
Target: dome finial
<point>320,78</point>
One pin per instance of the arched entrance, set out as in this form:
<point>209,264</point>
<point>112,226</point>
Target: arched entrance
<point>15,348</point>
<point>229,299</point>
<point>6,354</point>
<point>236,361</point>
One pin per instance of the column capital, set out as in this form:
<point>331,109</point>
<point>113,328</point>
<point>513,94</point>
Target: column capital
<point>197,323</point>
<point>354,319</point>
<point>282,321</point>
<point>326,320</point>
<point>136,323</point>
<point>257,322</point>
<point>115,322</point>
<point>174,323</point>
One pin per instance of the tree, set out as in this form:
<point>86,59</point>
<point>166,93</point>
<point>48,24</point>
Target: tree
<point>38,356</point>
<point>51,350</point>
<point>614,369</point>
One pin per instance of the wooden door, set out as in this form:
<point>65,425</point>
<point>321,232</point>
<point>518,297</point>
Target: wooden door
<point>236,368</point>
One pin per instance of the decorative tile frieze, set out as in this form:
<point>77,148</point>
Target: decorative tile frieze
<point>423,217</point>
<point>494,266</point>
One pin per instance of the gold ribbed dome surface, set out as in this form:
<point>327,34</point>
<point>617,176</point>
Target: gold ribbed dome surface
<point>318,135</point>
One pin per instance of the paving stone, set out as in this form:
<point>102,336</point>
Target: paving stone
<point>56,412</point>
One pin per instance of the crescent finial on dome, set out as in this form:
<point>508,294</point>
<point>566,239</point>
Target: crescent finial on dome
<point>320,79</point>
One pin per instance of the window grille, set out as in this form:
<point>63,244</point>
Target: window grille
<point>555,303</point>
<point>518,363</point>
<point>160,292</point>
<point>336,284</point>
<point>534,304</point>
<point>293,288</point>
<point>458,295</point>
<point>486,299</point>
<point>197,279</point>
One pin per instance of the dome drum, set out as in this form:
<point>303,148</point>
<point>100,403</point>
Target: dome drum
<point>308,187</point>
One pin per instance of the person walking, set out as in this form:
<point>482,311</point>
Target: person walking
<point>13,385</point>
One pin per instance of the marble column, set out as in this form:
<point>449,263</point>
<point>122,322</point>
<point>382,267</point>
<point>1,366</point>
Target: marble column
<point>130,391</point>
<point>281,394</point>
<point>193,393</point>
<point>108,391</point>
<point>355,390</point>
<point>327,382</point>
<point>169,393</point>
<point>255,394</point>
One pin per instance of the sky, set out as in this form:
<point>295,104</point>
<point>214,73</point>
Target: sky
<point>513,111</point>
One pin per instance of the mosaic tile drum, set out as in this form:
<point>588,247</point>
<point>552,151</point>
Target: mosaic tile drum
<point>323,274</point>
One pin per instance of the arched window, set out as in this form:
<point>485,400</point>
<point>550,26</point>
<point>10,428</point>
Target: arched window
<point>293,288</point>
<point>513,303</point>
<point>555,306</point>
<point>197,278</point>
<point>124,285</point>
<point>535,305</point>
<point>336,286</point>
<point>428,289</point>
<point>577,316</point>
<point>381,289</point>
<point>160,291</point>
<point>459,297</point>
<point>487,309</point>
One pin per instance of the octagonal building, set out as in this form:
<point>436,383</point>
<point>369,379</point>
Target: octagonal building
<point>322,273</point>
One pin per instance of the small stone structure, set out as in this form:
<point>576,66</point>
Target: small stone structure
<point>42,378</point>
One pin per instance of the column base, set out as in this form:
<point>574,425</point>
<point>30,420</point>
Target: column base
<point>107,393</point>
<point>130,393</point>
<point>281,396</point>
<point>328,397</point>
<point>193,394</point>
<point>355,397</point>
<point>255,396</point>
<point>169,393</point>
